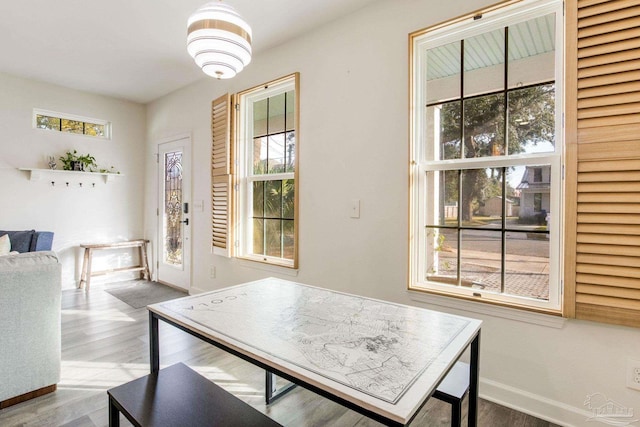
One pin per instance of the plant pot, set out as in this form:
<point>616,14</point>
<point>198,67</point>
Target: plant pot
<point>77,166</point>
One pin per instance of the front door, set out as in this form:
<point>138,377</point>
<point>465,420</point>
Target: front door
<point>174,213</point>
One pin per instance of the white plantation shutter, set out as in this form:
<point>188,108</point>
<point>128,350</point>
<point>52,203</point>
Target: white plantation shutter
<point>603,180</point>
<point>221,174</point>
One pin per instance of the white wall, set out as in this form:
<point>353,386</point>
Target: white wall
<point>353,140</point>
<point>104,212</point>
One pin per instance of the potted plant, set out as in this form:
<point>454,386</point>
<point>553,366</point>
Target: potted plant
<point>88,162</point>
<point>111,170</point>
<point>71,161</point>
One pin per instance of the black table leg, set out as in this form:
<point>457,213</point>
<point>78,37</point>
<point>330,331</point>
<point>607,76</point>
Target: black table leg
<point>472,417</point>
<point>154,344</point>
<point>114,414</point>
<point>270,386</point>
<point>271,393</point>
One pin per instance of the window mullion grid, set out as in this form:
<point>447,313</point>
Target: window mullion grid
<point>281,220</point>
<point>459,254</point>
<point>264,216</point>
<point>503,260</point>
<point>462,155</point>
<point>284,149</point>
<point>505,97</point>
<point>493,92</point>
<point>268,137</point>
<point>264,191</point>
<point>264,222</point>
<point>503,163</point>
<point>505,127</point>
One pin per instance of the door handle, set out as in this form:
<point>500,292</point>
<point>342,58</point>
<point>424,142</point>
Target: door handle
<point>185,222</point>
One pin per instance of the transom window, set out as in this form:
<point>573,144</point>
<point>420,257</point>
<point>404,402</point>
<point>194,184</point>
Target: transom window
<point>486,148</point>
<point>61,122</point>
<point>268,169</point>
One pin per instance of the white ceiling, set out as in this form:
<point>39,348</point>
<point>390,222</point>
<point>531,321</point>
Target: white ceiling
<point>134,49</point>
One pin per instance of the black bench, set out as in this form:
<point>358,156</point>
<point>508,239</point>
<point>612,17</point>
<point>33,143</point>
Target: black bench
<point>179,396</point>
<point>452,390</point>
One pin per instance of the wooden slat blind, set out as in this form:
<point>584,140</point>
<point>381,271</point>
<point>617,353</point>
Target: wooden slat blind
<point>221,174</point>
<point>604,257</point>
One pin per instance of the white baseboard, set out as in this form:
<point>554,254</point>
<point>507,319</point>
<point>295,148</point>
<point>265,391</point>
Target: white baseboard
<point>533,404</point>
<point>194,291</point>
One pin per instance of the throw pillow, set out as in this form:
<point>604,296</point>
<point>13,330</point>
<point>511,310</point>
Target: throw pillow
<point>5,245</point>
<point>21,240</point>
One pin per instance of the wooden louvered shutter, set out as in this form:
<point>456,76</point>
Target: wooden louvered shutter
<point>603,161</point>
<point>222,174</point>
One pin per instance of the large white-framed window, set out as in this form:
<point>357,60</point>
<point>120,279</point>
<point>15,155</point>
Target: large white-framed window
<point>267,148</point>
<point>486,157</point>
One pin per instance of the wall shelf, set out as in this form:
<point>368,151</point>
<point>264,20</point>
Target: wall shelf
<point>37,174</point>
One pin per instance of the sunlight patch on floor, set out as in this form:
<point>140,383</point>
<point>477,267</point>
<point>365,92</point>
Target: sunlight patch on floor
<point>105,375</point>
<point>99,375</point>
<point>112,315</point>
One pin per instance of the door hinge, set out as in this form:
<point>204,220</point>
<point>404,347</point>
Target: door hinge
<point>157,157</point>
<point>157,211</point>
<point>237,107</point>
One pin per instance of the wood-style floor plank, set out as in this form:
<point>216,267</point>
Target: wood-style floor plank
<point>105,343</point>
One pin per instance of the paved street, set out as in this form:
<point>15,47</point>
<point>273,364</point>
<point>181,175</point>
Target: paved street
<point>527,261</point>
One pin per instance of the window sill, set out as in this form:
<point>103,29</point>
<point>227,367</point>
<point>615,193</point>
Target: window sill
<point>272,268</point>
<point>541,319</point>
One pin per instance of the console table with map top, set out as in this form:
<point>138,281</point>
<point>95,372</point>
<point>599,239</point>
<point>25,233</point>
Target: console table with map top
<point>87,273</point>
<point>381,359</point>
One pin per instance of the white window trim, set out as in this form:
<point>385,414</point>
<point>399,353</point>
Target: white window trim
<point>495,19</point>
<point>49,113</point>
<point>465,306</point>
<point>244,225</point>
<point>271,268</point>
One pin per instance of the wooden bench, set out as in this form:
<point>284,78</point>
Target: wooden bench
<point>452,390</point>
<point>142,267</point>
<point>179,396</point>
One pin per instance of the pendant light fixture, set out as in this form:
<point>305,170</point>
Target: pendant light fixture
<point>219,40</point>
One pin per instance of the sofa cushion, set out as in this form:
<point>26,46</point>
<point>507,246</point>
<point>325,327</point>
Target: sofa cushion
<point>5,245</point>
<point>20,240</point>
<point>23,262</point>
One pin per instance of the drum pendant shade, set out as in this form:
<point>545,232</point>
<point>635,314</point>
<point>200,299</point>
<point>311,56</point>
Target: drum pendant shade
<point>219,40</point>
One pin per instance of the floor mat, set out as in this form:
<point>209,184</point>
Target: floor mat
<point>140,293</point>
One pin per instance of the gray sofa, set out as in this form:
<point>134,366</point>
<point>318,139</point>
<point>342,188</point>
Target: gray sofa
<point>30,292</point>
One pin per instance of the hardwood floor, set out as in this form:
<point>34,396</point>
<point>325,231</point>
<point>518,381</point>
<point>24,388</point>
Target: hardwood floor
<point>105,343</point>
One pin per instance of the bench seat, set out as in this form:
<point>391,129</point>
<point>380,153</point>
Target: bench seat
<point>179,396</point>
<point>453,388</point>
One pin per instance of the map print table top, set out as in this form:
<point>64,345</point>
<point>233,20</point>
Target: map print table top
<point>375,347</point>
